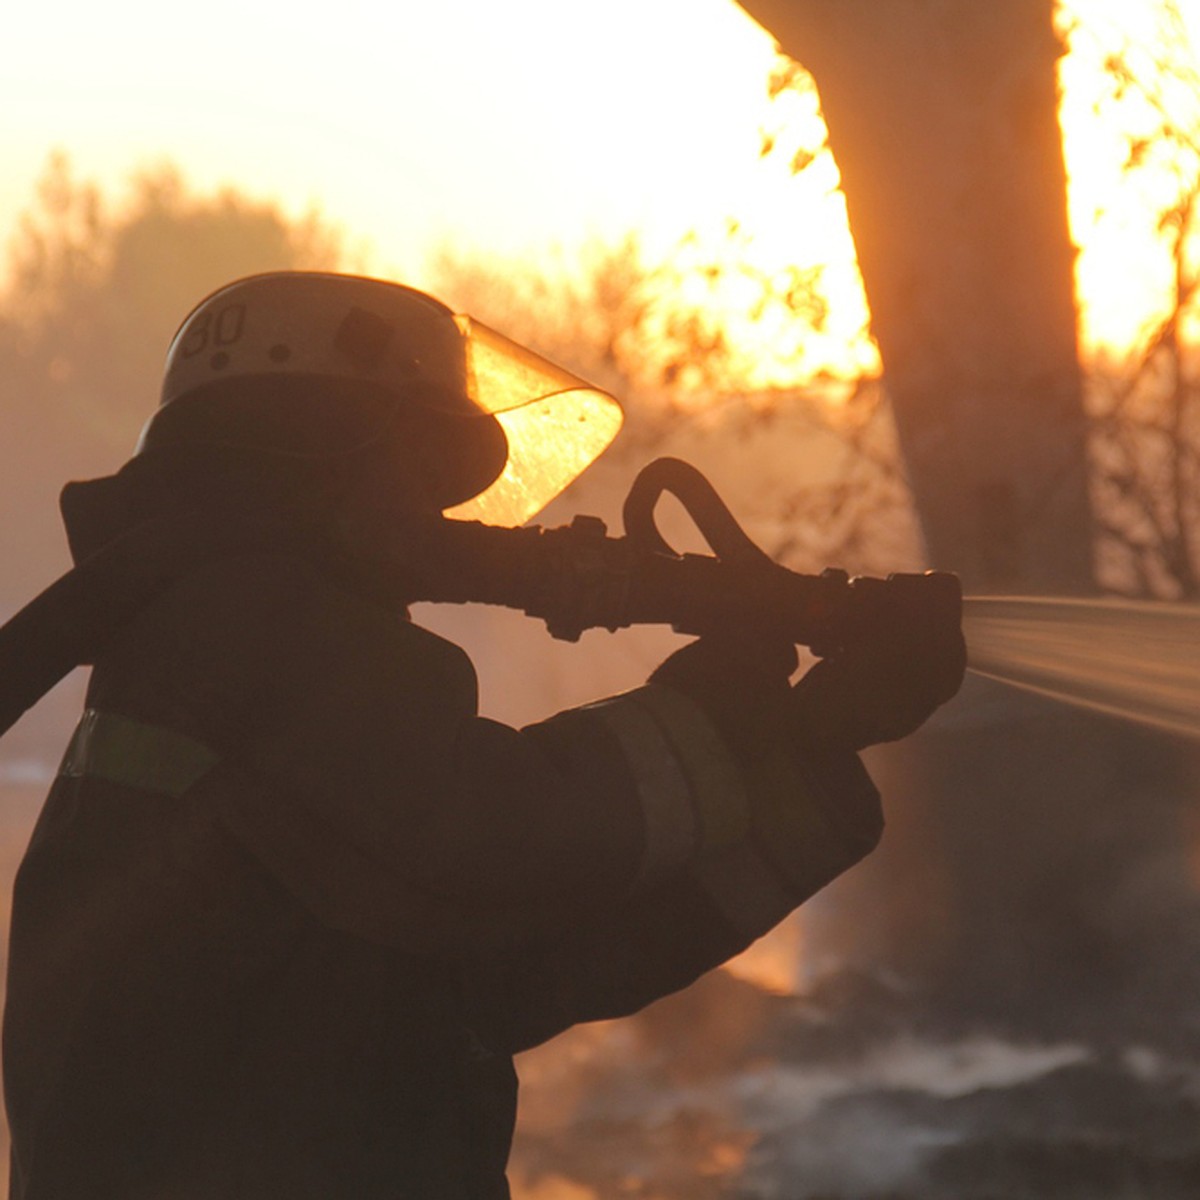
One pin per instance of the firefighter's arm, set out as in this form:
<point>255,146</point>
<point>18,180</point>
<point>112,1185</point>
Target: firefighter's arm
<point>354,767</point>
<point>801,811</point>
<point>761,819</point>
<point>806,826</point>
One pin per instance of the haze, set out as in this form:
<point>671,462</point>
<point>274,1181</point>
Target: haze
<point>504,125</point>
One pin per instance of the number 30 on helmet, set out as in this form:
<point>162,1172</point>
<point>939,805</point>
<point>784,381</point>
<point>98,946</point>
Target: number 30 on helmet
<point>314,365</point>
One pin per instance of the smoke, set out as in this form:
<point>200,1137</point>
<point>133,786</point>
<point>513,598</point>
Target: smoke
<point>835,1095</point>
<point>1036,877</point>
<point>998,1002</point>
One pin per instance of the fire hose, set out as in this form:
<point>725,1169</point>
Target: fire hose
<point>574,578</point>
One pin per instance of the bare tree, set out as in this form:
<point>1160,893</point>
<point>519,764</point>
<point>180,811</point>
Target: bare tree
<point>655,332</point>
<point>1145,399</point>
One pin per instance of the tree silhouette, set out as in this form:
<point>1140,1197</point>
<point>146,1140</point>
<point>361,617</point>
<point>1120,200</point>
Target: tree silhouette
<point>942,115</point>
<point>1144,400</point>
<point>96,292</point>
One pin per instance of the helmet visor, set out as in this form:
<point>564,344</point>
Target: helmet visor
<point>556,424</point>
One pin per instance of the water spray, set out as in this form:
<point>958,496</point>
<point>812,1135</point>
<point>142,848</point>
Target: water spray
<point>1138,660</point>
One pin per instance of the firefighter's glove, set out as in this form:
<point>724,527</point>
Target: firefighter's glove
<point>739,680</point>
<point>903,657</point>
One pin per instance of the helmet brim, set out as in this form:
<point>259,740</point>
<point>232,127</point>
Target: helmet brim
<point>556,424</point>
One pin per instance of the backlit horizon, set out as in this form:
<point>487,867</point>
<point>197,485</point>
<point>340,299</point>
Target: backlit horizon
<point>507,133</point>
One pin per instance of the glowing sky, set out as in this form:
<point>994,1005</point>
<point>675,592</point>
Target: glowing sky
<point>1122,280</point>
<point>518,122</point>
<point>505,125</point>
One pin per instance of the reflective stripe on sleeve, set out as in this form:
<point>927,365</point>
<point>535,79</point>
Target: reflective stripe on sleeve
<point>664,791</point>
<point>135,754</point>
<point>792,823</point>
<point>744,888</point>
<point>689,788</point>
<point>716,780</point>
<point>792,851</point>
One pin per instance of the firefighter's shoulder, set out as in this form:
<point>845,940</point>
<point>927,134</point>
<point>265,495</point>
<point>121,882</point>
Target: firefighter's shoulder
<point>267,643</point>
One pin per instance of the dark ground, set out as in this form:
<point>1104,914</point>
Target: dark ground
<point>846,1096</point>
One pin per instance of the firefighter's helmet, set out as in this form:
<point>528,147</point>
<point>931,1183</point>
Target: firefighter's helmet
<point>314,365</point>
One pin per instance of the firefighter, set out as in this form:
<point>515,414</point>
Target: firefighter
<point>292,905</point>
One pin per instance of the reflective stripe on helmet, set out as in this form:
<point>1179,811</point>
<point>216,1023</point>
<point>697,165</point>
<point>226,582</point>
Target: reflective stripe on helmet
<point>134,754</point>
<point>689,788</point>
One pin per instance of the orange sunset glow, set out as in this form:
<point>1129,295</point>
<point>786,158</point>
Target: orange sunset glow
<point>414,130</point>
<point>455,126</point>
<point>633,201</point>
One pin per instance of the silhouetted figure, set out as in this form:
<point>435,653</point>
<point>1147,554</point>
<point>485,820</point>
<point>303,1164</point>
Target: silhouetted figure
<point>292,905</point>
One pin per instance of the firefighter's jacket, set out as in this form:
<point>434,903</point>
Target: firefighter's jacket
<point>292,905</point>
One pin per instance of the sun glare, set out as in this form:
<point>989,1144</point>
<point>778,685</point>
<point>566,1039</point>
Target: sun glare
<point>405,159</point>
<point>1129,74</point>
<point>789,287</point>
<point>774,962</point>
